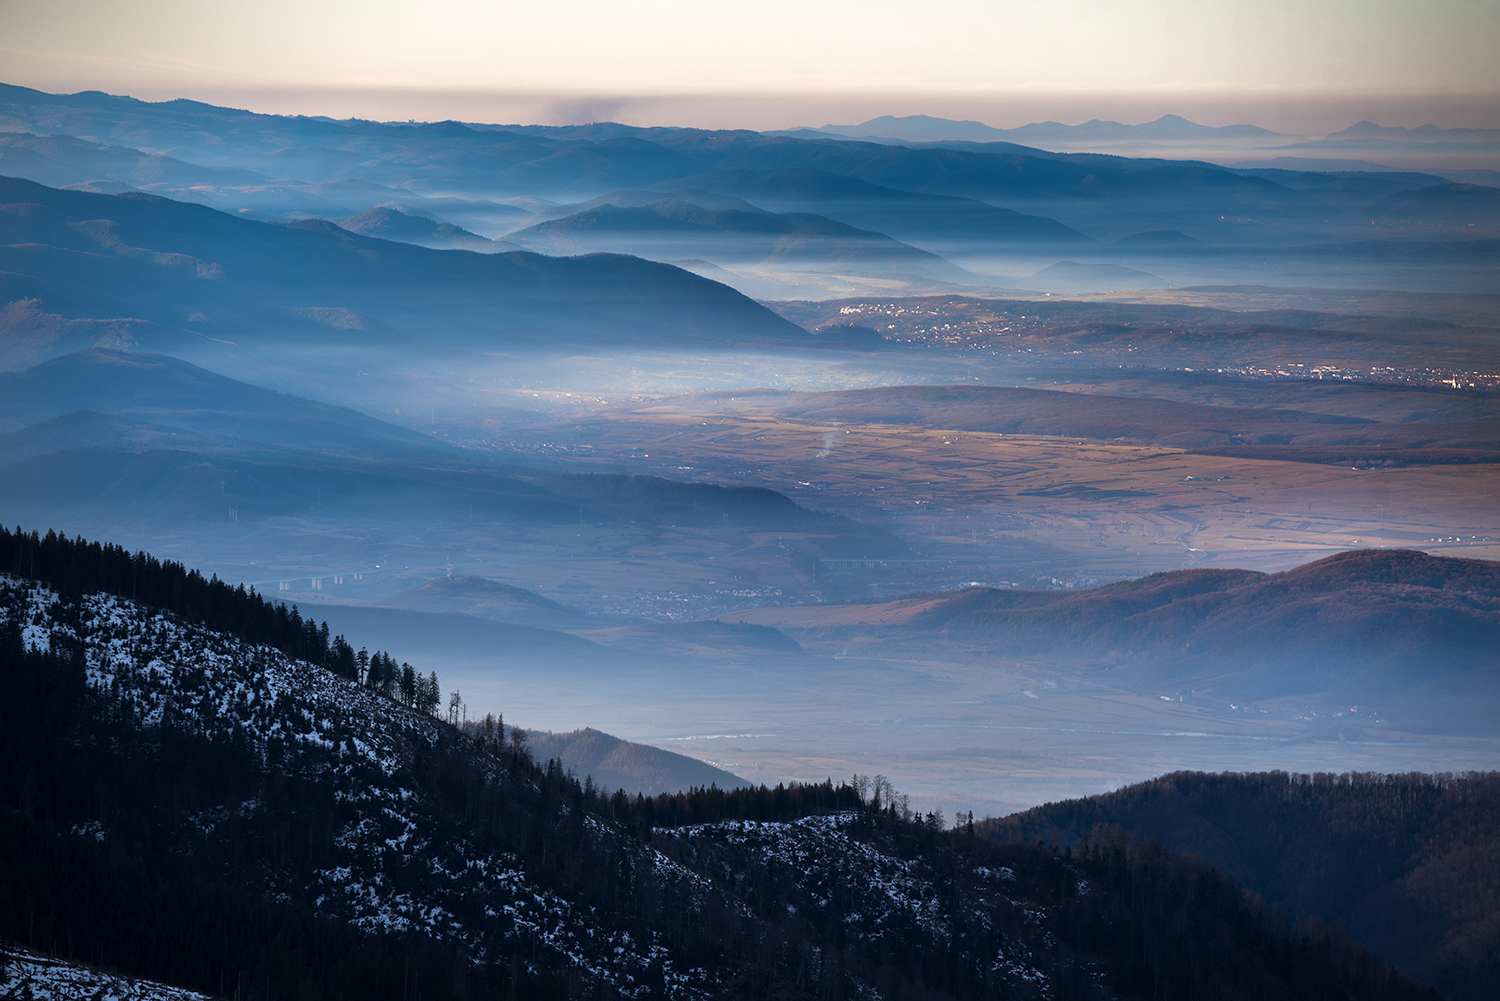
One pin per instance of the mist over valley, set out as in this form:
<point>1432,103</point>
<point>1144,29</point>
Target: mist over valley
<point>813,538</point>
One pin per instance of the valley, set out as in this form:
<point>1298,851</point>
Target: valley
<point>458,560</point>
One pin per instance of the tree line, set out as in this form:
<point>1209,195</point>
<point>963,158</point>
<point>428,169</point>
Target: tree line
<point>1406,864</point>
<point>77,566</point>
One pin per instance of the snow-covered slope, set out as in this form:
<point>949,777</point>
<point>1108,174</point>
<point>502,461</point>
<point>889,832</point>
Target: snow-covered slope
<point>883,894</point>
<point>26,975</point>
<point>400,865</point>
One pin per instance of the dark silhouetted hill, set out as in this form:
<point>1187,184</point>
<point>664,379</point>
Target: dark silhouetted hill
<point>184,406</point>
<point>1408,865</point>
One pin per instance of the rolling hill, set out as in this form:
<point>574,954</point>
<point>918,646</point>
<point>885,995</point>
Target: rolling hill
<point>675,228</point>
<point>185,404</point>
<point>1409,637</point>
<point>1362,625</point>
<point>612,763</point>
<point>1405,863</point>
<point>928,220</point>
<point>165,274</point>
<point>388,222</point>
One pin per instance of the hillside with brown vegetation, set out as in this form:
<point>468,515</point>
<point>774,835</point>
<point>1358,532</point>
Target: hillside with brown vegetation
<point>1361,622</point>
<point>1406,864</point>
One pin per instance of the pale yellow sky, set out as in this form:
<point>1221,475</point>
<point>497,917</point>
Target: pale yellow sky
<point>774,62</point>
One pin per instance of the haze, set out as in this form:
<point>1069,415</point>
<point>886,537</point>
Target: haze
<point>1293,66</point>
<point>566,500</point>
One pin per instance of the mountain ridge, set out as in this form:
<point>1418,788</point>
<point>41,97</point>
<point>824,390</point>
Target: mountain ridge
<point>1400,861</point>
<point>925,128</point>
<point>443,847</point>
<point>197,276</point>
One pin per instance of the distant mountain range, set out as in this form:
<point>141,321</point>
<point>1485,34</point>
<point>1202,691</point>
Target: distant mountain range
<point>1170,134</point>
<point>1170,128</point>
<point>1422,133</point>
<point>990,213</point>
<point>487,178</point>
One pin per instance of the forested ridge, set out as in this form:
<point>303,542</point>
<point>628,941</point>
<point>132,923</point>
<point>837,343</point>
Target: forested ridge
<point>78,566</point>
<point>1408,865</point>
<point>75,567</point>
<point>183,805</point>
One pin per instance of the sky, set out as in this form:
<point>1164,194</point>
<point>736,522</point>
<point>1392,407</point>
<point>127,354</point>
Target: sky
<point>1291,64</point>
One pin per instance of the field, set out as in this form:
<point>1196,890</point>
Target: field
<point>1000,507</point>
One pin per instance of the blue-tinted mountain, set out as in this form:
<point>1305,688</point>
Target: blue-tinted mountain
<point>1170,128</point>
<point>928,220</point>
<point>465,173</point>
<point>441,156</point>
<point>67,162</point>
<point>1447,205</point>
<point>674,228</point>
<point>388,222</point>
<point>577,162</point>
<point>164,402</point>
<point>1351,185</point>
<point>1422,133</point>
<point>162,273</point>
<point>60,160</point>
